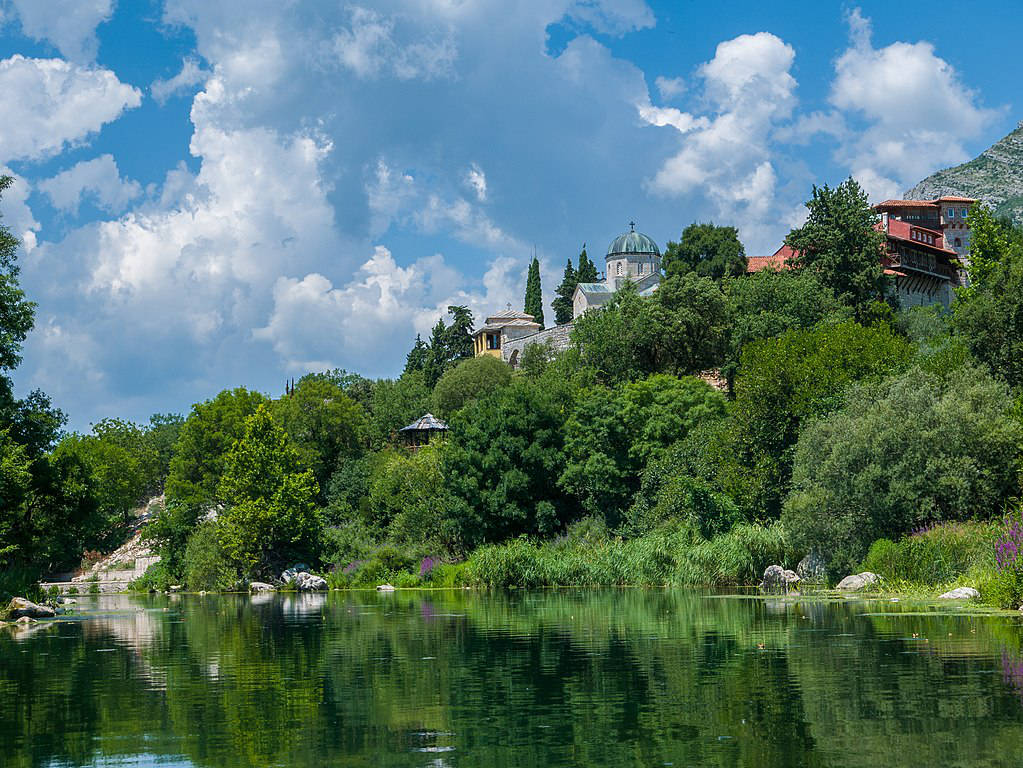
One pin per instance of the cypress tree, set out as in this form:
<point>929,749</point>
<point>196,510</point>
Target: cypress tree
<point>587,272</point>
<point>534,293</point>
<point>415,360</point>
<point>437,354</point>
<point>562,305</point>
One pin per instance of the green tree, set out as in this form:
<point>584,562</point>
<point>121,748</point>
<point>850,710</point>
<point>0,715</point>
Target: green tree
<point>502,461</point>
<point>708,250</point>
<point>562,304</point>
<point>467,381</point>
<point>988,314</point>
<point>408,500</point>
<point>162,433</point>
<point>840,244</point>
<point>769,303</point>
<point>587,270</point>
<point>786,381</point>
<point>437,354</point>
<point>325,425</point>
<point>269,516</point>
<point>458,337</point>
<point>912,450</point>
<point>397,402</point>
<point>415,360</point>
<point>533,304</point>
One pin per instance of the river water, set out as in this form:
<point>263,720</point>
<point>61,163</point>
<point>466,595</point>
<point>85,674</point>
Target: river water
<point>553,678</point>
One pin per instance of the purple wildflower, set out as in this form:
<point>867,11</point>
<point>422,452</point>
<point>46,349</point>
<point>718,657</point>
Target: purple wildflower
<point>352,567</point>
<point>428,564</point>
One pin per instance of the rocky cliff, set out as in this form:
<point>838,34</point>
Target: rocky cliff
<point>996,177</point>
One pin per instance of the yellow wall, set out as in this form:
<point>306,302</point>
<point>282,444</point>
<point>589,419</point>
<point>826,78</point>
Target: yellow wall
<point>480,347</point>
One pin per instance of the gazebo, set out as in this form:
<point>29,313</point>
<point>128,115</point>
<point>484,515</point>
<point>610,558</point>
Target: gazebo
<point>422,430</point>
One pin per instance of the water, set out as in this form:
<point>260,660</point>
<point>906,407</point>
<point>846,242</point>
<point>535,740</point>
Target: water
<point>581,678</point>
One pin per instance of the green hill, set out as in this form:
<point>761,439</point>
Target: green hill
<point>996,177</point>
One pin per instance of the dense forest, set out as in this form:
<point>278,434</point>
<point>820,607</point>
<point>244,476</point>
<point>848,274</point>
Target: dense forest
<point>848,427</point>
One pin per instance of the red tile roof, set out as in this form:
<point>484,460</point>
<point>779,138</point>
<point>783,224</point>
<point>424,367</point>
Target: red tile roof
<point>903,230</point>
<point>955,199</point>
<point>907,204</point>
<point>775,261</point>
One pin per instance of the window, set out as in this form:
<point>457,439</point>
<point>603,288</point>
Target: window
<point>958,242</point>
<point>951,213</point>
<point>619,270</point>
<point>963,213</point>
<point>493,341</point>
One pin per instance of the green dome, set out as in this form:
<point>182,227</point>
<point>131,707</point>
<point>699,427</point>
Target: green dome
<point>632,243</point>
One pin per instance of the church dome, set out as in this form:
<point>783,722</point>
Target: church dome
<point>632,243</point>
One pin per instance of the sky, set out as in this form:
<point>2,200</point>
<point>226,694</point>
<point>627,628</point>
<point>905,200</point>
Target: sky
<point>216,194</point>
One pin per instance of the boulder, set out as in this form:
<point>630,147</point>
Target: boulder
<point>175,588</point>
<point>960,593</point>
<point>304,581</point>
<point>776,577</point>
<point>25,620</point>
<point>858,581</point>
<point>260,586</point>
<point>20,607</point>
<point>384,588</point>
<point>813,568</point>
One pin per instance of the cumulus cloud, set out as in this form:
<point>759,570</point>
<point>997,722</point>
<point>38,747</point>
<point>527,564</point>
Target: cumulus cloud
<point>191,75</point>
<point>69,24</point>
<point>477,181</point>
<point>369,49</point>
<point>16,215</point>
<point>670,87</point>
<point>917,110</point>
<point>728,155</point>
<point>50,104</point>
<point>614,17</point>
<point>98,179</point>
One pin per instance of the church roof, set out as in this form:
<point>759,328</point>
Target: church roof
<point>590,288</point>
<point>632,243</point>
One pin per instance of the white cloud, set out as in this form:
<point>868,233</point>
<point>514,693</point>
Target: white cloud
<point>670,87</point>
<point>477,181</point>
<point>69,24</point>
<point>17,216</point>
<point>918,111</point>
<point>98,178</point>
<point>683,122</point>
<point>191,75</point>
<point>614,17</point>
<point>369,49</point>
<point>728,156</point>
<point>50,103</point>
<point>467,223</point>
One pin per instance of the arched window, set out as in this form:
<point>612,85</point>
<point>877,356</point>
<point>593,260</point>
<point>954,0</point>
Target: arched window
<point>619,267</point>
<point>958,242</point>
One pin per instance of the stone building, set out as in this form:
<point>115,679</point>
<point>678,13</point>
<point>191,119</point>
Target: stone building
<point>631,256</point>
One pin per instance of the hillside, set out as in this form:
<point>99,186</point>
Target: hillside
<point>996,177</point>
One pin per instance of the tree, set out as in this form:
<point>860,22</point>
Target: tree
<point>501,463</point>
<point>534,293</point>
<point>707,250</point>
<point>562,303</point>
<point>769,303</point>
<point>915,449</point>
<point>325,425</point>
<point>988,314</point>
<point>162,433</point>
<point>407,499</point>
<point>415,360</point>
<point>396,403</point>
<point>587,271</point>
<point>449,344</point>
<point>467,381</point>
<point>269,517</point>
<point>841,246</point>
<point>785,382</point>
<point>437,354</point>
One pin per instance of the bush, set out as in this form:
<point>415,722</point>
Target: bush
<point>1005,587</point>
<point>935,555</point>
<point>468,381</point>
<point>387,564</point>
<point>206,567</point>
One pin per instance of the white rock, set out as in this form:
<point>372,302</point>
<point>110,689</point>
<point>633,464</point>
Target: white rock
<point>858,581</point>
<point>384,588</point>
<point>260,586</point>
<point>812,568</point>
<point>20,607</point>
<point>776,577</point>
<point>961,593</point>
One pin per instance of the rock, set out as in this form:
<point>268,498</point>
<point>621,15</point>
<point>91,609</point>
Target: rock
<point>961,593</point>
<point>813,567</point>
<point>858,581</point>
<point>20,607</point>
<point>384,588</point>
<point>776,577</point>
<point>260,586</point>
<point>25,620</point>
<point>175,588</point>
<point>67,601</point>
<point>304,581</point>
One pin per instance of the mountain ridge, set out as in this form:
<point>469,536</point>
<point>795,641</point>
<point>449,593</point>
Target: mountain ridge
<point>995,176</point>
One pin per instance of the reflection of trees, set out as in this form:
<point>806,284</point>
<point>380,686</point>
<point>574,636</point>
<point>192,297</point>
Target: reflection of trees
<point>634,677</point>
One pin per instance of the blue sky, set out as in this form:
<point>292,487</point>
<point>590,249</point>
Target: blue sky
<point>222,194</point>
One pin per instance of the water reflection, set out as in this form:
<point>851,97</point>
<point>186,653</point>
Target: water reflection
<point>635,677</point>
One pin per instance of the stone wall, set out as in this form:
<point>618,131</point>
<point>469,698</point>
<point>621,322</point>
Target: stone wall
<point>558,336</point>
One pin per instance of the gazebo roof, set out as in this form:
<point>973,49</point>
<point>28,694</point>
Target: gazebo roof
<point>426,423</point>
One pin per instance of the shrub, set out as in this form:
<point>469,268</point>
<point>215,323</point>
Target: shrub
<point>467,381</point>
<point>1005,588</point>
<point>934,555</point>
<point>206,567</point>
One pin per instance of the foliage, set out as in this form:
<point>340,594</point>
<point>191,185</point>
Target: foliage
<point>988,315</point>
<point>448,344</point>
<point>681,329</point>
<point>906,452</point>
<point>586,272</point>
<point>707,250</point>
<point>768,303</point>
<point>205,565</point>
<point>416,358</point>
<point>324,423</point>
<point>533,303</point>
<point>786,381</point>
<point>935,554</point>
<point>562,304</point>
<point>840,245</point>
<point>1006,588</point>
<point>162,433</point>
<point>408,500</point>
<point>396,403</point>
<point>503,457</point>
<point>268,515</point>
<point>467,381</point>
